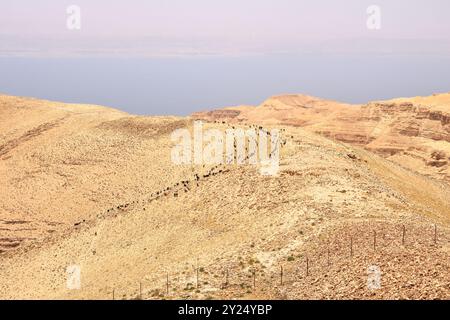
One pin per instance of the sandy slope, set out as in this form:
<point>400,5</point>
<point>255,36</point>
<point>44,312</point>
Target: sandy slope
<point>95,187</point>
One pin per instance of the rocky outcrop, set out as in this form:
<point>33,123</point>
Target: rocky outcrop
<point>216,115</point>
<point>389,128</point>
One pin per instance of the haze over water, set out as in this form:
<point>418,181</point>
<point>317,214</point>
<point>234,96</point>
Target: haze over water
<point>176,57</point>
<point>180,86</point>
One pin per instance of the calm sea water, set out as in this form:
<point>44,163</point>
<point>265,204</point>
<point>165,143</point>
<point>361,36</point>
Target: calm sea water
<point>179,86</point>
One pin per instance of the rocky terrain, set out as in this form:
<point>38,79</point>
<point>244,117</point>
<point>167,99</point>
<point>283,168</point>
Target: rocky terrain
<point>414,132</point>
<point>96,187</point>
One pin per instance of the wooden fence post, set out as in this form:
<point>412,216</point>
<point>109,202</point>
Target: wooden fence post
<point>328,257</point>
<point>403,235</point>
<point>281,276</point>
<point>307,266</point>
<point>197,279</point>
<point>226,278</point>
<point>196,274</point>
<point>435,234</point>
<point>374,240</point>
<point>167,283</point>
<point>351,246</point>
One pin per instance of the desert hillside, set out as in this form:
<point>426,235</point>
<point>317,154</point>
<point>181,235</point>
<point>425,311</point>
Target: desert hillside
<point>414,132</point>
<point>96,187</point>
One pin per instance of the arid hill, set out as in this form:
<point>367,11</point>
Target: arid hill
<point>414,132</point>
<point>96,187</point>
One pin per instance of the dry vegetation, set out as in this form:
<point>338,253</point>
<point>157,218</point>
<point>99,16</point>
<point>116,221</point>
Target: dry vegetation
<point>95,187</point>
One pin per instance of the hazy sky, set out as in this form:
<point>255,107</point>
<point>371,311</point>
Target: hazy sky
<point>180,56</point>
<point>231,26</point>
